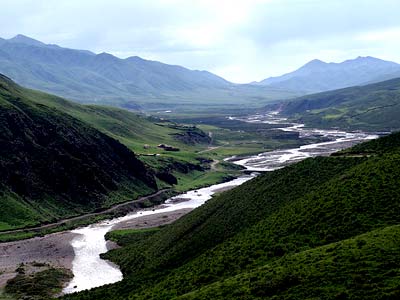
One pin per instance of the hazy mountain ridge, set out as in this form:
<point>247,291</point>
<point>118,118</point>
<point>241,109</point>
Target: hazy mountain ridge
<point>317,76</point>
<point>130,83</point>
<point>47,67</point>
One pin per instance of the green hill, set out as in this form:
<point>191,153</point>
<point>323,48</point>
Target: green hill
<point>143,134</point>
<point>53,165</point>
<point>185,168</point>
<point>371,107</point>
<point>363,267</point>
<point>325,228</point>
<point>132,129</point>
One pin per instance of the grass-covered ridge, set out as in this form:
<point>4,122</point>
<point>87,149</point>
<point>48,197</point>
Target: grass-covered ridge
<point>199,144</point>
<point>53,165</point>
<point>193,166</point>
<point>371,107</point>
<point>142,134</point>
<point>363,267</point>
<point>132,129</point>
<point>325,228</point>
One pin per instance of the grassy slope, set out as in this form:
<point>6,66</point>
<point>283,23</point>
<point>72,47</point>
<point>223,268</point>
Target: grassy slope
<point>371,107</point>
<point>53,165</point>
<point>37,281</point>
<point>364,267</point>
<point>135,131</point>
<point>255,231</point>
<point>130,128</point>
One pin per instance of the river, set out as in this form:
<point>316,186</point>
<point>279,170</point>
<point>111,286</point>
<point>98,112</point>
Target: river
<point>269,161</point>
<point>91,271</point>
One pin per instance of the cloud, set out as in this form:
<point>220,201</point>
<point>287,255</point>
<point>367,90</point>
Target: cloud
<point>285,20</point>
<point>242,40</point>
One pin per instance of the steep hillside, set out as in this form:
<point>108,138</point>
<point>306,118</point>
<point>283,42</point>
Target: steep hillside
<point>363,267</point>
<point>371,107</point>
<point>131,128</point>
<point>300,232</point>
<point>131,83</point>
<point>53,165</point>
<point>143,134</point>
<point>319,76</point>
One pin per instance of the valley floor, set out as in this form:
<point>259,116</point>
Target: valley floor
<point>56,250</point>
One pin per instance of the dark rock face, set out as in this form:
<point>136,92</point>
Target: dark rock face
<point>168,147</point>
<point>167,177</point>
<point>193,136</point>
<point>45,153</point>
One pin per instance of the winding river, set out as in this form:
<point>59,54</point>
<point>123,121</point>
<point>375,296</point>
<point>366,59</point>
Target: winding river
<point>91,271</point>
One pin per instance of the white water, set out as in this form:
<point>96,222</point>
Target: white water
<point>273,160</point>
<point>90,271</point>
<point>269,161</point>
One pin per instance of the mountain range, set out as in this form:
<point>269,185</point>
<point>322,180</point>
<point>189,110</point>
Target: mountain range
<point>136,83</point>
<point>131,83</point>
<point>318,76</point>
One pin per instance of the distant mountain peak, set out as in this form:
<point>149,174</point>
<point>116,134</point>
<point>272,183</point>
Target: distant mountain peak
<point>316,62</point>
<point>363,58</point>
<point>23,39</point>
<point>105,54</point>
<point>318,76</point>
<point>367,58</point>
<point>106,57</point>
<point>135,58</point>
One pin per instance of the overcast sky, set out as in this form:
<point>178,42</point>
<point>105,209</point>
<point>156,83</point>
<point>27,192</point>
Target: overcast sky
<point>241,41</point>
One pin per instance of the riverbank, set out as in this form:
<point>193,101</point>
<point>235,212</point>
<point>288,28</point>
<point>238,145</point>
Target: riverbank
<point>56,249</point>
<point>196,181</point>
<point>152,220</point>
<point>91,271</point>
<point>89,218</point>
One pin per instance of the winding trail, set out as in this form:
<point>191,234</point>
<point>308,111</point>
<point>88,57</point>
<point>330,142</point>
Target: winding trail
<point>213,165</point>
<point>81,217</point>
<point>212,148</point>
